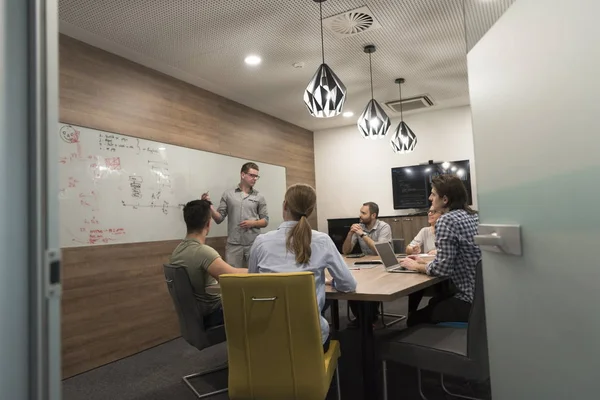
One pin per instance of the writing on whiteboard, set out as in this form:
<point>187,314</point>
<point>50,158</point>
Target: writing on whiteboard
<point>164,206</point>
<point>112,163</point>
<point>112,142</point>
<point>69,134</point>
<point>135,182</point>
<point>121,189</point>
<point>105,235</point>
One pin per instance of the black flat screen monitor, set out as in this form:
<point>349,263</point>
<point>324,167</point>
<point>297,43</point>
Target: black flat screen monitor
<point>411,185</point>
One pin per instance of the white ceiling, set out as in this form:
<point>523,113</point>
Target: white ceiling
<point>204,42</point>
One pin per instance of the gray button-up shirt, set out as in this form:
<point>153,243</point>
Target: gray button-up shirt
<point>381,232</point>
<point>240,206</point>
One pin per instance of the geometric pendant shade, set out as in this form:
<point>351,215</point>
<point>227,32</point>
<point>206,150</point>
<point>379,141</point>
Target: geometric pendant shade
<point>404,139</point>
<point>325,94</point>
<point>373,123</point>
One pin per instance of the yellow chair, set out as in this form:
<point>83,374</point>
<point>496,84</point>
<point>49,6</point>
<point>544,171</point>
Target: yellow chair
<point>274,338</point>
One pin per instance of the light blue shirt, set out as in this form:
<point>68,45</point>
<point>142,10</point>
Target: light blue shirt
<point>269,254</point>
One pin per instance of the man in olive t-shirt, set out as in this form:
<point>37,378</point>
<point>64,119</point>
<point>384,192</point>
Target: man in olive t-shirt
<point>196,258</point>
<point>203,264</point>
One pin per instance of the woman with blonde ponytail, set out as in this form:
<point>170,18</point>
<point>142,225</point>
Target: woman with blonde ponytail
<point>294,247</point>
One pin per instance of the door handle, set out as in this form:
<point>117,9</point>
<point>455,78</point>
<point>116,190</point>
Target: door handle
<point>489,240</point>
<point>500,238</point>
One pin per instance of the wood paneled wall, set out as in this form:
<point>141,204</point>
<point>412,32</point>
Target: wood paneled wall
<point>115,302</point>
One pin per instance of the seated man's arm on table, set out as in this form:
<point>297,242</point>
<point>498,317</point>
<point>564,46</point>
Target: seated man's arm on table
<point>350,241</point>
<point>384,236</point>
<point>443,264</point>
<point>219,267</point>
<point>343,280</point>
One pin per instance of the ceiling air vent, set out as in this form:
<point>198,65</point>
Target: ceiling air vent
<point>411,104</point>
<point>351,22</point>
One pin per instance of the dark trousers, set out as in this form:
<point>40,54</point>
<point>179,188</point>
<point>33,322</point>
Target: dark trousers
<point>373,304</point>
<point>441,309</point>
<point>326,344</point>
<point>215,318</point>
<point>328,304</point>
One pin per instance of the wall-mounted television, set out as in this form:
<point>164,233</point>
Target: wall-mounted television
<point>411,186</point>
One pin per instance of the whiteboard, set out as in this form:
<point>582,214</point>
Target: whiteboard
<point>121,189</point>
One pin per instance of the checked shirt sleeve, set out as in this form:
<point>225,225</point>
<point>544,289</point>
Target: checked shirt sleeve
<point>447,249</point>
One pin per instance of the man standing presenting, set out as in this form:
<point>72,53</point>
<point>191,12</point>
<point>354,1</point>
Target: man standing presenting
<point>368,232</point>
<point>247,211</point>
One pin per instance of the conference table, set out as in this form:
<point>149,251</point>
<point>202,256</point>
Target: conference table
<point>374,284</point>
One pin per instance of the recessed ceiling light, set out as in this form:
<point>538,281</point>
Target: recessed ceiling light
<point>348,114</point>
<point>252,60</point>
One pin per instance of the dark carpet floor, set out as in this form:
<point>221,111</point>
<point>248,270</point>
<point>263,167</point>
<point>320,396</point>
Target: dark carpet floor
<point>155,374</point>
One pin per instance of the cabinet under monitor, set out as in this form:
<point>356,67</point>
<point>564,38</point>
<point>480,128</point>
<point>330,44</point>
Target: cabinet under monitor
<point>406,227</point>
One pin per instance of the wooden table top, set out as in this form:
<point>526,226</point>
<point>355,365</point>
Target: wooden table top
<point>375,284</point>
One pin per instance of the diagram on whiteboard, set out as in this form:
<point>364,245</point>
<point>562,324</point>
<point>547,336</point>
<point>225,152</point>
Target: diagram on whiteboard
<point>121,189</point>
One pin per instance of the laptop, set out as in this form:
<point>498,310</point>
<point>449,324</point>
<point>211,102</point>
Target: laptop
<point>386,253</point>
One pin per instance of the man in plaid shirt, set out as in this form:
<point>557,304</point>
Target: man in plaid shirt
<point>457,254</point>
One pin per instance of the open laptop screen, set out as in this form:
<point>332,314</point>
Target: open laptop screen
<point>386,252</point>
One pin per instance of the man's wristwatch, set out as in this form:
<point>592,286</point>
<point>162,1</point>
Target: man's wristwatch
<point>363,234</point>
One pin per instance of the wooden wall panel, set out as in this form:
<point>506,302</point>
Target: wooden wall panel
<point>115,302</point>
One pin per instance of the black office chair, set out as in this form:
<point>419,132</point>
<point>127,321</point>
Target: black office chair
<point>448,350</point>
<point>191,323</point>
<point>398,245</point>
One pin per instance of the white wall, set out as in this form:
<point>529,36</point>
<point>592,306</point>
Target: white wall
<point>351,170</point>
<point>534,95</point>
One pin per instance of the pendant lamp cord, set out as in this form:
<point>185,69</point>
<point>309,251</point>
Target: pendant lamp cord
<point>322,42</point>
<point>371,73</point>
<point>400,90</point>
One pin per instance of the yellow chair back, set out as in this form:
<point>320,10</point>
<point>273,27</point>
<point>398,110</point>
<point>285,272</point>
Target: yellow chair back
<point>273,337</point>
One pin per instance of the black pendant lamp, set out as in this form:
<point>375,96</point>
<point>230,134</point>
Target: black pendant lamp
<point>325,94</point>
<point>373,123</point>
<point>404,139</point>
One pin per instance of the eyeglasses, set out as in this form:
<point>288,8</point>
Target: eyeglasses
<point>254,176</point>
